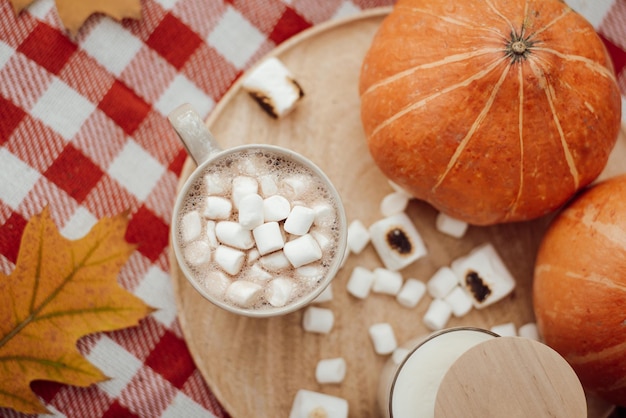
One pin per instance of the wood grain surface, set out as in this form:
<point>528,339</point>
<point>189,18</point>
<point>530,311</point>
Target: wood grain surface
<point>256,366</point>
<point>510,377</point>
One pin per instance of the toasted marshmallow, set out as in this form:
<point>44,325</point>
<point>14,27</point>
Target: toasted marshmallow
<point>309,404</point>
<point>273,87</point>
<point>396,241</point>
<point>484,276</point>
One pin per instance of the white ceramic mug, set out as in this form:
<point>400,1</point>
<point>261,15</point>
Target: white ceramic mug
<point>212,160</point>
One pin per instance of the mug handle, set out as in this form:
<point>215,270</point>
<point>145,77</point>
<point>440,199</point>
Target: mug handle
<point>194,134</point>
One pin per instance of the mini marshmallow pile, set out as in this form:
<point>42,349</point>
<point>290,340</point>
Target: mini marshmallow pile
<point>265,244</point>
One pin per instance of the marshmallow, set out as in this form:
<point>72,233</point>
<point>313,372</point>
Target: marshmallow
<point>229,259</point>
<point>191,226</point>
<point>309,404</point>
<point>450,226</point>
<point>325,296</point>
<point>399,354</point>
<point>243,185</point>
<point>332,370</point>
<point>275,261</point>
<point>394,203</point>
<point>268,237</point>
<point>211,236</point>
<point>411,293</point>
<point>279,291</point>
<point>233,234</point>
<point>358,236</point>
<point>484,276</point>
<point>302,250</point>
<point>273,87</point>
<point>216,282</point>
<point>396,241</point>
<point>243,293</point>
<point>257,273</point>
<point>253,255</point>
<point>295,186</point>
<point>276,208</point>
<point>213,184</point>
<point>386,281</point>
<point>505,330</point>
<point>398,189</point>
<point>437,315</point>
<point>319,320</point>
<point>383,338</point>
<point>216,207</point>
<point>311,272</point>
<point>197,253</point>
<point>322,239</point>
<point>529,330</point>
<point>360,282</point>
<point>324,214</point>
<point>299,220</point>
<point>442,282</point>
<point>459,301</point>
<point>268,186</point>
<point>251,211</point>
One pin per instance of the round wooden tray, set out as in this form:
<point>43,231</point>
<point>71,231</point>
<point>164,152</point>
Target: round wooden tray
<point>256,366</point>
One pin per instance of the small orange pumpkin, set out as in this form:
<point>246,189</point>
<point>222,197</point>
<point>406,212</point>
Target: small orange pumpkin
<point>579,288</point>
<point>490,110</point>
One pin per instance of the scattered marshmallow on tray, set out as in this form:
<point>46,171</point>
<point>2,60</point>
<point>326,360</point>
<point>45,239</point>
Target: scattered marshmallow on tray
<point>318,320</point>
<point>358,236</point>
<point>460,301</point>
<point>450,226</point>
<point>386,281</point>
<point>394,203</point>
<point>411,293</point>
<point>442,283</point>
<point>383,338</point>
<point>332,370</point>
<point>529,330</point>
<point>396,241</point>
<point>483,274</point>
<point>437,315</point>
<point>505,330</point>
<point>360,282</point>
<point>310,404</point>
<point>325,296</point>
<point>273,87</point>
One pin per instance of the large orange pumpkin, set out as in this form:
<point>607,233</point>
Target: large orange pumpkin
<point>490,110</point>
<point>579,288</point>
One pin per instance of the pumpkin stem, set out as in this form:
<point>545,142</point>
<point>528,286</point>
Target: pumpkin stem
<point>518,47</point>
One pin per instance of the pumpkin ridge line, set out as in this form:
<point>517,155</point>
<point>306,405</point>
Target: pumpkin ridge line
<point>429,65</point>
<point>580,359</point>
<point>592,65</point>
<point>417,105</point>
<point>475,125</point>
<point>520,129</point>
<point>500,15</point>
<point>448,19</point>
<point>549,92</point>
<point>545,27</point>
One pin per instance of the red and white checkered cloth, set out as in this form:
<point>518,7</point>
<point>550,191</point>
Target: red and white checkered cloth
<point>83,129</point>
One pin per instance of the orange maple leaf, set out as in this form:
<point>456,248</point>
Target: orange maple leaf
<point>73,13</point>
<point>59,291</point>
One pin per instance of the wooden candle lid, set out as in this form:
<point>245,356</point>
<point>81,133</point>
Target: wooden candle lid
<point>510,377</point>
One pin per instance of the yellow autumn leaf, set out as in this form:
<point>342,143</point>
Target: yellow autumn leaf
<point>59,291</point>
<point>73,13</point>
